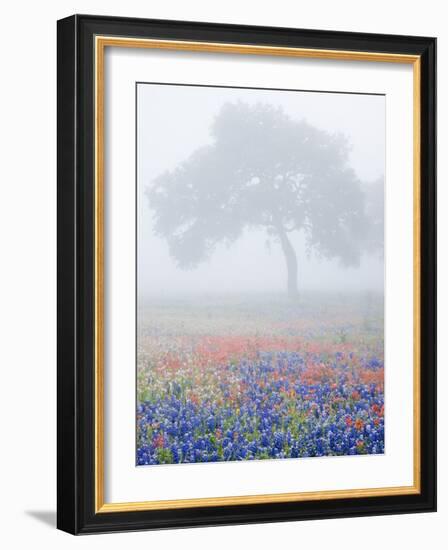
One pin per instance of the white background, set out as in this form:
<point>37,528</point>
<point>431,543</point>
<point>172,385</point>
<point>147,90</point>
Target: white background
<point>123,481</point>
<point>28,274</point>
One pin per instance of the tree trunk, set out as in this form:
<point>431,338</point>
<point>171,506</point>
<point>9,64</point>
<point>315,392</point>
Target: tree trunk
<point>291,262</point>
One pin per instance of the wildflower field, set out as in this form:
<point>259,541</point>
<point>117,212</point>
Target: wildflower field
<point>245,377</point>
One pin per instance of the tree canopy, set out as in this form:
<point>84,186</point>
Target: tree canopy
<point>263,169</point>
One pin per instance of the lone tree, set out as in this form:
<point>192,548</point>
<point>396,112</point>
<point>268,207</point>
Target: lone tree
<point>263,169</point>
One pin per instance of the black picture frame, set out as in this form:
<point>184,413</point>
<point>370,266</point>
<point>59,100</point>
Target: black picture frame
<point>76,512</point>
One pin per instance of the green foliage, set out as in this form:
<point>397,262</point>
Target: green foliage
<point>164,456</point>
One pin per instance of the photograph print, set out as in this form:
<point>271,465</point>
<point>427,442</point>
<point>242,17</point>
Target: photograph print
<point>260,274</point>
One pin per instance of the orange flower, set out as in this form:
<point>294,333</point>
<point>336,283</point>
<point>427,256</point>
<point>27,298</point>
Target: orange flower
<point>194,398</point>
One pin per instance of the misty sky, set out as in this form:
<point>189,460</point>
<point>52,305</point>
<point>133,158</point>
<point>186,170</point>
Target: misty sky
<point>174,121</point>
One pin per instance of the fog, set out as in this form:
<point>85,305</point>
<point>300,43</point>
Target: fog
<point>174,122</point>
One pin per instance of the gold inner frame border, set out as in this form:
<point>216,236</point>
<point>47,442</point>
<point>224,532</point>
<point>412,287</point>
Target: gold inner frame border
<point>100,44</point>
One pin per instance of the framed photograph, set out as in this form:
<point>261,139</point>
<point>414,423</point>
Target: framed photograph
<point>246,274</point>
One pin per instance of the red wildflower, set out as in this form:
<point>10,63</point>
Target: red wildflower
<point>359,424</point>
